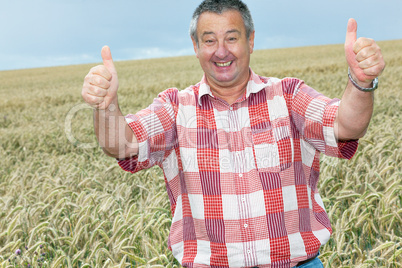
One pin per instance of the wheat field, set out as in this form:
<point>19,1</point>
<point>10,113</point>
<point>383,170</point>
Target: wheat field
<point>63,203</point>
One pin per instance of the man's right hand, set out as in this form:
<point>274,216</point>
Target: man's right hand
<point>101,83</point>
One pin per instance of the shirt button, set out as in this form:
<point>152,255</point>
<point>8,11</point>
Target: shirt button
<point>241,175</point>
<point>245,225</point>
<point>249,251</point>
<point>231,108</point>
<point>243,199</point>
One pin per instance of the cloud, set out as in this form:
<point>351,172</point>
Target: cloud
<point>152,52</point>
<point>25,61</point>
<point>279,41</point>
<point>19,61</point>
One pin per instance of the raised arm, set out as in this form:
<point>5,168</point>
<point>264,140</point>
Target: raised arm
<point>100,91</point>
<point>366,62</point>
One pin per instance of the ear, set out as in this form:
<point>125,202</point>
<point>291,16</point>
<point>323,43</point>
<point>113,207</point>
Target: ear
<point>195,46</point>
<point>251,41</point>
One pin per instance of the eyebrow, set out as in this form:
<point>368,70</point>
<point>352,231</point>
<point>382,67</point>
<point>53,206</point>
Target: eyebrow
<point>230,31</point>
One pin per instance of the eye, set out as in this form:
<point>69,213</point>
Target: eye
<point>232,39</point>
<point>209,42</point>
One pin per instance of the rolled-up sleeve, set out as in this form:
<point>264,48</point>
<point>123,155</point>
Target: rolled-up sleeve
<point>155,130</point>
<point>314,116</point>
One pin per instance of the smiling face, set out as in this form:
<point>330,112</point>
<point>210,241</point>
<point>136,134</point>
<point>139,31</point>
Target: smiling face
<point>223,49</point>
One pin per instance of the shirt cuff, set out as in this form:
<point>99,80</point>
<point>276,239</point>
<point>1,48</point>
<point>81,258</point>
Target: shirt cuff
<point>333,147</point>
<point>131,164</point>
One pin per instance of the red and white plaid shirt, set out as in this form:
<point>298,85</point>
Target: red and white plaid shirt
<point>241,178</point>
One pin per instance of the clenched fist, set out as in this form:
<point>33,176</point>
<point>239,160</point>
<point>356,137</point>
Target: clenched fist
<point>363,56</point>
<point>101,83</point>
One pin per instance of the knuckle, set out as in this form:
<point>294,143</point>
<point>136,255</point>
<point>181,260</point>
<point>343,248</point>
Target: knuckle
<point>379,69</point>
<point>87,98</point>
<point>370,61</point>
<point>88,77</point>
<point>378,50</point>
<point>363,54</point>
<point>370,52</point>
<point>98,92</point>
<point>96,100</point>
<point>97,80</point>
<point>95,91</point>
<point>94,69</point>
<point>107,84</point>
<point>90,89</point>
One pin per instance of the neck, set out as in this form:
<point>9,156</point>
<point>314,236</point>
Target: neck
<point>229,93</point>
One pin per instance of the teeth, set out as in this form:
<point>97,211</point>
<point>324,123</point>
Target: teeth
<point>225,64</point>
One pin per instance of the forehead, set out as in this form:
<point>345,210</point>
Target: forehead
<point>220,23</point>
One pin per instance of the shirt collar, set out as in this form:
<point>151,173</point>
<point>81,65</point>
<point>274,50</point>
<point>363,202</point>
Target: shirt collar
<point>254,85</point>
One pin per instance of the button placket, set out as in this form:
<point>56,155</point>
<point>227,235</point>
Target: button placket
<point>240,178</point>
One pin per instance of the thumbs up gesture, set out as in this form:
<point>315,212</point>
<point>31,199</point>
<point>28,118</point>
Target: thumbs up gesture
<point>101,83</point>
<point>363,56</point>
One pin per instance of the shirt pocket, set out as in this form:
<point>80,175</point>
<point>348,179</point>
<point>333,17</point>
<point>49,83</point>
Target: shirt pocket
<point>273,146</point>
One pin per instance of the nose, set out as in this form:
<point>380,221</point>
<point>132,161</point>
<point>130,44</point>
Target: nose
<point>222,51</point>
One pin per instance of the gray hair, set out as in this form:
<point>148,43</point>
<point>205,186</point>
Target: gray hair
<point>218,7</point>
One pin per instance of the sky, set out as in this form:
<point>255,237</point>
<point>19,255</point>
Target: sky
<point>44,33</point>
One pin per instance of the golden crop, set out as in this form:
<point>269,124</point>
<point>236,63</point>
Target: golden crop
<point>64,203</point>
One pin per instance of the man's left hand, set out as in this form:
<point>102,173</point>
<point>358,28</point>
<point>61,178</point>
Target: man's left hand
<point>363,56</point>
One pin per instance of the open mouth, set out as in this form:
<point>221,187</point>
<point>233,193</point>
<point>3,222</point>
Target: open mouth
<point>223,64</point>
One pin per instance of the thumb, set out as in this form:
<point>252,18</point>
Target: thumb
<point>350,40</point>
<point>107,59</point>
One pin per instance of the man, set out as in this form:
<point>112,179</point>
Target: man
<point>240,152</point>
